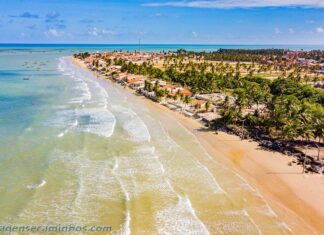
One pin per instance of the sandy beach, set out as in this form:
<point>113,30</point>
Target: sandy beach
<point>294,197</point>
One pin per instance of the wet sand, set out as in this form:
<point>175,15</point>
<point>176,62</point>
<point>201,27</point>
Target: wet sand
<point>295,197</point>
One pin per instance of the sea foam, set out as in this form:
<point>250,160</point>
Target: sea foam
<point>36,186</point>
<point>132,123</point>
<point>88,111</point>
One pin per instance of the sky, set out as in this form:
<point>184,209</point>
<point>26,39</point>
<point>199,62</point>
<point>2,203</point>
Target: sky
<point>162,21</point>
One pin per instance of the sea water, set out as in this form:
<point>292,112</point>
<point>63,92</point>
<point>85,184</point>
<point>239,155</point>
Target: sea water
<point>76,149</point>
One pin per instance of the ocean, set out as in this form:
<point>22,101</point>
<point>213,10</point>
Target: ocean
<point>75,149</point>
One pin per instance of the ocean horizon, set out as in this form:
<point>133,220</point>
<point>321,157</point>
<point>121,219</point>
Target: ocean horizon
<point>158,47</point>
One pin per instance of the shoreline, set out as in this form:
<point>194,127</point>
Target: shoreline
<point>291,194</point>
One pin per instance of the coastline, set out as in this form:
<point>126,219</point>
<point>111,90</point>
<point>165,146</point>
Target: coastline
<point>291,194</point>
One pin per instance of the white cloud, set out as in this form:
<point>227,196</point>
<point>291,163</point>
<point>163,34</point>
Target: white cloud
<point>158,14</point>
<point>194,34</point>
<point>108,32</point>
<point>95,32</point>
<point>52,15</point>
<point>320,30</point>
<point>291,30</point>
<point>240,3</point>
<point>277,31</point>
<point>52,33</point>
<point>310,21</point>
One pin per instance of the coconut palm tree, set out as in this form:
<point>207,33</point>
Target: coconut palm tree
<point>207,106</point>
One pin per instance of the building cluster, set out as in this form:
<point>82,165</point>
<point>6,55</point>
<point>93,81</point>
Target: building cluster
<point>136,58</point>
<point>174,96</point>
<point>297,58</point>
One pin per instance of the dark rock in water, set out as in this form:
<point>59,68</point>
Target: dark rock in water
<point>25,78</point>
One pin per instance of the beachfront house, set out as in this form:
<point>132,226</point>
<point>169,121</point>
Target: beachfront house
<point>174,90</point>
<point>171,88</point>
<point>161,83</point>
<point>214,98</point>
<point>136,83</point>
<point>208,117</point>
<point>149,94</point>
<point>198,105</point>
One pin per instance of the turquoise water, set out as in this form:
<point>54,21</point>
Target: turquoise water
<point>66,48</point>
<point>75,149</point>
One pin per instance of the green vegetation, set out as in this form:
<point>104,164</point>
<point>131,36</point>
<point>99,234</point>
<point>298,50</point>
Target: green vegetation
<point>284,109</point>
<point>82,55</point>
<point>289,110</point>
<point>234,54</point>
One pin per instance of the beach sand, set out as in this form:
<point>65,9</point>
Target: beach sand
<point>294,197</point>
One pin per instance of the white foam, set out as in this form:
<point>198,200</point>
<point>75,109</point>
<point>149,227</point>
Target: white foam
<point>209,178</point>
<point>36,186</point>
<point>126,194</point>
<point>75,124</point>
<point>162,168</point>
<point>98,121</point>
<point>172,189</point>
<point>115,166</point>
<point>284,225</point>
<point>193,212</point>
<point>269,210</point>
<point>88,184</point>
<point>28,129</point>
<point>132,124</point>
<point>218,188</point>
<point>252,221</point>
<point>80,191</point>
<point>126,227</point>
<point>92,115</point>
<point>179,219</point>
<point>146,150</point>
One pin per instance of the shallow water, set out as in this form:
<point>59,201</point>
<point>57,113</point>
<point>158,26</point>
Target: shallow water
<point>79,150</point>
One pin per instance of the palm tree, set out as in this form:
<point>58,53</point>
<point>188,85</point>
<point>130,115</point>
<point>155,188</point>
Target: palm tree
<point>305,157</point>
<point>187,99</point>
<point>226,102</point>
<point>207,106</point>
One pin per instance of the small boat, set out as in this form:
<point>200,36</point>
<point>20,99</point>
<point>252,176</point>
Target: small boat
<point>25,78</point>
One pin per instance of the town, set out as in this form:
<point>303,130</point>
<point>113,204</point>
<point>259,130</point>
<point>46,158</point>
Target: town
<point>248,93</point>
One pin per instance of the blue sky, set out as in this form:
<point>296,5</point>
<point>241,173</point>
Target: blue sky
<point>162,21</point>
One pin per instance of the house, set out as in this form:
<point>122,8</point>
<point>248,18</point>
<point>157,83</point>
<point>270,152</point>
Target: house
<point>114,67</point>
<point>172,88</point>
<point>185,92</point>
<point>209,117</point>
<point>187,113</point>
<point>136,83</point>
<point>161,83</point>
<point>198,104</point>
<point>170,106</point>
<point>214,98</point>
<point>120,77</point>
<point>149,94</point>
